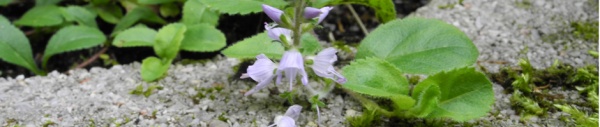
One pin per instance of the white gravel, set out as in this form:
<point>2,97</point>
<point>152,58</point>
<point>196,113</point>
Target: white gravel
<point>101,97</point>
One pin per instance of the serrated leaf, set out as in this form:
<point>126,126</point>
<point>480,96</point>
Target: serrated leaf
<point>110,13</point>
<point>427,95</point>
<point>253,46</point>
<point>153,68</point>
<point>5,2</point>
<point>14,46</point>
<point>46,2</point>
<point>203,38</point>
<point>134,16</point>
<point>169,10</point>
<point>134,37</point>
<point>465,94</point>
<point>40,16</point>
<point>384,9</point>
<point>168,40</point>
<point>403,102</point>
<point>80,15</point>
<point>241,6</point>
<point>310,44</point>
<point>195,12</point>
<point>72,38</point>
<point>375,77</point>
<point>154,1</point>
<point>419,46</point>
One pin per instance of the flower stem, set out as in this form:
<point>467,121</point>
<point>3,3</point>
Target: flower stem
<point>298,21</point>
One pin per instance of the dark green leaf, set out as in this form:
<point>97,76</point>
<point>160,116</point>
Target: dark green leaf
<point>419,46</point>
<point>14,46</point>
<point>168,40</point>
<point>465,94</point>
<point>427,95</point>
<point>241,6</point>
<point>72,38</point>
<point>154,1</point>
<point>135,15</point>
<point>310,44</point>
<point>40,16</point>
<point>253,46</point>
<point>169,10</point>
<point>153,69</point>
<point>194,12</point>
<point>81,15</point>
<point>375,77</point>
<point>203,38</point>
<point>46,2</point>
<point>5,2</point>
<point>110,13</point>
<point>136,36</point>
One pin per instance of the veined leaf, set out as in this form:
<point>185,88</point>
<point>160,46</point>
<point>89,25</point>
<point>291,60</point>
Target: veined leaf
<point>136,36</point>
<point>15,48</point>
<point>153,68</point>
<point>203,38</point>
<point>419,46</point>
<point>465,94</point>
<point>168,40</point>
<point>134,16</point>
<point>310,44</point>
<point>427,95</point>
<point>375,77</point>
<point>81,15</point>
<point>38,16</point>
<point>72,38</point>
<point>253,46</point>
<point>384,9</point>
<point>241,6</point>
<point>195,12</point>
<point>154,1</point>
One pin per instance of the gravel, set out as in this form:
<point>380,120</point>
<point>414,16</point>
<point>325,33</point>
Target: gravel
<point>190,94</point>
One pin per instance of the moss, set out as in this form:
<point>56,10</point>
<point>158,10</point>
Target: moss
<point>48,123</point>
<point>222,117</point>
<point>525,4</point>
<point>586,30</point>
<point>367,119</point>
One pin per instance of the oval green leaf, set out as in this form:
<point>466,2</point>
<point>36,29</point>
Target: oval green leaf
<point>465,94</point>
<point>419,46</point>
<point>203,38</point>
<point>137,14</point>
<point>134,37</point>
<point>39,16</point>
<point>72,38</point>
<point>80,15</point>
<point>110,13</point>
<point>241,6</point>
<point>195,12</point>
<point>427,95</point>
<point>255,45</point>
<point>168,40</point>
<point>375,77</point>
<point>14,46</point>
<point>153,69</point>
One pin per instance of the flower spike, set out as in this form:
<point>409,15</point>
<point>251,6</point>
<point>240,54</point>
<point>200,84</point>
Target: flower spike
<point>292,63</point>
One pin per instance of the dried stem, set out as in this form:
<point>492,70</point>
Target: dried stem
<point>93,58</point>
<point>360,23</point>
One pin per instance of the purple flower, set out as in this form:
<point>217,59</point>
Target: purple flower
<point>293,111</point>
<point>310,12</point>
<point>273,13</point>
<point>289,118</point>
<point>324,13</point>
<point>292,63</point>
<point>323,65</point>
<point>261,71</point>
<point>275,33</point>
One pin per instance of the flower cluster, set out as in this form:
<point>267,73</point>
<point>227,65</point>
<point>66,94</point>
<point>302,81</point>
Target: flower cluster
<point>292,62</point>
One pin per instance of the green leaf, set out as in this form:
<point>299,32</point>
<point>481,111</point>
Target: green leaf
<point>195,12</point>
<point>15,48</point>
<point>46,2</point>
<point>465,94</point>
<point>153,69</point>
<point>72,38</point>
<point>134,37</point>
<point>310,44</point>
<point>169,10</point>
<point>80,15</point>
<point>5,2</point>
<point>384,9</point>
<point>134,16</point>
<point>419,46</point>
<point>168,40</point>
<point>203,38</point>
<point>375,77</point>
<point>100,2</point>
<point>154,1</point>
<point>241,6</point>
<point>110,13</point>
<point>427,94</point>
<point>40,16</point>
<point>253,46</point>
<point>403,102</point>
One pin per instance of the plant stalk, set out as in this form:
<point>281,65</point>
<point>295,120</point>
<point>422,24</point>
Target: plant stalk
<point>298,21</point>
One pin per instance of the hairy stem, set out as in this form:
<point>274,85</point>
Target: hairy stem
<point>298,21</point>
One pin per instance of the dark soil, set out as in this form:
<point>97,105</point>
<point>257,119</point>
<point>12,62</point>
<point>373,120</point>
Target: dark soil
<point>235,27</point>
